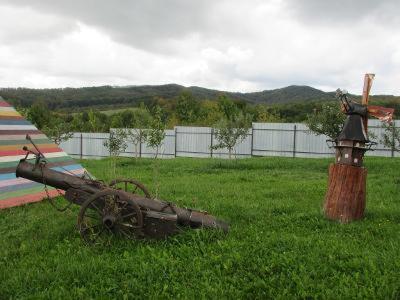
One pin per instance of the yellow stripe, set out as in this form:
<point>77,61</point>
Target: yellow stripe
<point>9,113</point>
<point>19,146</point>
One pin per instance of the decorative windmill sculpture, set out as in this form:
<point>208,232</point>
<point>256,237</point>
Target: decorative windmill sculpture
<point>345,197</point>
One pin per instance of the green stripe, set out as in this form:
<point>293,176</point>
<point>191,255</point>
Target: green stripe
<point>15,142</point>
<point>22,192</point>
<point>15,163</point>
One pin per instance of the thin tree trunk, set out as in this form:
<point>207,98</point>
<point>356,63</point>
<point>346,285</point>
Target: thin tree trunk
<point>156,176</point>
<point>156,152</point>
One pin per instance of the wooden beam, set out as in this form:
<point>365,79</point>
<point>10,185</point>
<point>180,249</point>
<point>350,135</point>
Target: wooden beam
<point>365,96</point>
<point>367,87</point>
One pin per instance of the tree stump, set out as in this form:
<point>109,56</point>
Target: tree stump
<point>345,198</point>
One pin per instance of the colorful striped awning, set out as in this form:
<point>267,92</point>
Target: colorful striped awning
<point>13,129</point>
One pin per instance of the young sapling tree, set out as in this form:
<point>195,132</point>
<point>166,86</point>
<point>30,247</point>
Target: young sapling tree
<point>116,144</point>
<point>231,131</point>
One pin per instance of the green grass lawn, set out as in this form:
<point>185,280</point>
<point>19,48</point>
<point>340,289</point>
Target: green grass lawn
<point>279,246</point>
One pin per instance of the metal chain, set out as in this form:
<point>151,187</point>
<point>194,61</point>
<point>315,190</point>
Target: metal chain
<point>51,201</point>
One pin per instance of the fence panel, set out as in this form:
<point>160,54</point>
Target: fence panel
<point>167,149</point>
<point>87,145</point>
<point>273,139</point>
<point>241,150</point>
<point>263,139</point>
<point>193,141</point>
<point>73,145</point>
<point>311,145</point>
<point>94,145</point>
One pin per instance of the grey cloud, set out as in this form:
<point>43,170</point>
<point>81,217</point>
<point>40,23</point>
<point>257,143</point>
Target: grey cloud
<point>275,43</point>
<point>386,12</point>
<point>29,26</point>
<point>142,24</point>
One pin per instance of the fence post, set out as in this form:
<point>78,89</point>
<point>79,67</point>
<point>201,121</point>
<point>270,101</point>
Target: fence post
<point>140,143</point>
<point>176,133</point>
<point>393,134</point>
<point>211,142</point>
<point>81,146</point>
<point>109,149</point>
<point>252,140</point>
<point>294,140</point>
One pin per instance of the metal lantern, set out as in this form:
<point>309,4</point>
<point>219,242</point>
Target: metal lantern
<point>352,142</point>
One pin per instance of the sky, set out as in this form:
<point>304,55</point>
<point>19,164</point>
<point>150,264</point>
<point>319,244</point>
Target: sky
<point>230,45</point>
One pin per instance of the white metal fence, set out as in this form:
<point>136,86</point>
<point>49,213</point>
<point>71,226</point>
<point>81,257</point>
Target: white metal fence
<point>263,139</point>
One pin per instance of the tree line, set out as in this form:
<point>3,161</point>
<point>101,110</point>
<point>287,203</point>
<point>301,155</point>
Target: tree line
<point>184,110</point>
<point>228,116</point>
<point>146,123</point>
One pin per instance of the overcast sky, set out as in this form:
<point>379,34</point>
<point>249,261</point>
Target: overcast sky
<point>232,45</point>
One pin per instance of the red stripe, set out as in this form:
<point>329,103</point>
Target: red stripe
<point>4,104</point>
<point>21,200</point>
<point>22,152</point>
<point>21,132</point>
<point>11,117</point>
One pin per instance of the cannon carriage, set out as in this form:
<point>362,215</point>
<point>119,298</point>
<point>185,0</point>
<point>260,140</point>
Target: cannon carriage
<point>122,208</point>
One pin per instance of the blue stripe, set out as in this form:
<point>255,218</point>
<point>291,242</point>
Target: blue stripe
<point>59,169</point>
<point>12,188</point>
<point>15,122</point>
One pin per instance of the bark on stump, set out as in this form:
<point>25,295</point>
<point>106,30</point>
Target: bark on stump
<point>345,198</point>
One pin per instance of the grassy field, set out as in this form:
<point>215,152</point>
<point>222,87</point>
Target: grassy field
<point>279,246</point>
<point>110,112</point>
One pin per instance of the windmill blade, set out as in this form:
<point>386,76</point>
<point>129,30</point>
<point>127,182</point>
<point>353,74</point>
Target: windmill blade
<point>384,114</point>
<point>368,78</point>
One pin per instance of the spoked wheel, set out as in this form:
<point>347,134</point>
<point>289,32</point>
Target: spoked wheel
<point>107,215</point>
<point>131,186</point>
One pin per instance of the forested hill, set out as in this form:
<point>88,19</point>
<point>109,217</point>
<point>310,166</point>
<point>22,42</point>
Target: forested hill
<point>107,96</point>
<point>74,99</point>
<point>293,93</point>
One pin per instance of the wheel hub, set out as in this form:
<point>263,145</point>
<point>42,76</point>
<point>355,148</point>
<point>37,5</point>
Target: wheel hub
<point>109,221</point>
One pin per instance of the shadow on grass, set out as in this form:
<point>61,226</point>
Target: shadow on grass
<point>266,164</point>
<point>377,215</point>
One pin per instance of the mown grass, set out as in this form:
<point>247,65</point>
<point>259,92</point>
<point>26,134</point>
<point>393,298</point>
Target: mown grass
<point>279,246</point>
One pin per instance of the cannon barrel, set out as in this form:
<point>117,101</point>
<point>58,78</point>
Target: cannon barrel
<point>42,174</point>
<point>86,187</point>
<point>185,216</point>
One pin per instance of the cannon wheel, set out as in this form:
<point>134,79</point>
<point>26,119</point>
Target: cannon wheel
<point>137,186</point>
<point>109,214</point>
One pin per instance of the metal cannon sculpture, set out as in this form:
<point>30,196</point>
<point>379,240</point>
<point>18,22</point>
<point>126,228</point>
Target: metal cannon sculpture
<point>107,210</point>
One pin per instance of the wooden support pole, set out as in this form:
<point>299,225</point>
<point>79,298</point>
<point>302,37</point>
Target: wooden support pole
<point>365,96</point>
<point>346,194</point>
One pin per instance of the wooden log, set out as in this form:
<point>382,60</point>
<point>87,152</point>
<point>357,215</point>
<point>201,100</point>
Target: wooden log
<point>345,197</point>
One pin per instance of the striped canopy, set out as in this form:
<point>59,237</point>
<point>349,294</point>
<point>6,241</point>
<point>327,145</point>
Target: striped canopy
<point>13,129</point>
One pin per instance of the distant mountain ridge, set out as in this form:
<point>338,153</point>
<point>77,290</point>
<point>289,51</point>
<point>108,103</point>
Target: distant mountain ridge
<point>293,93</point>
<point>122,96</point>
